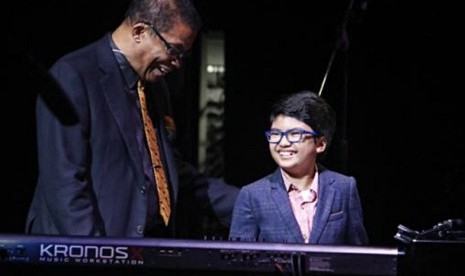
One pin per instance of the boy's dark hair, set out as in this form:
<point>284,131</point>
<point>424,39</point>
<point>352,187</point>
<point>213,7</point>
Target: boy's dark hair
<point>306,106</point>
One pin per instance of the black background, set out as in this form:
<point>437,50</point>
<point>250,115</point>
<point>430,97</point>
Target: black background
<point>394,82</point>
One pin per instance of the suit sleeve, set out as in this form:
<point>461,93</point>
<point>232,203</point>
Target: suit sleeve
<point>213,196</point>
<point>63,152</point>
<point>357,234</point>
<point>243,225</point>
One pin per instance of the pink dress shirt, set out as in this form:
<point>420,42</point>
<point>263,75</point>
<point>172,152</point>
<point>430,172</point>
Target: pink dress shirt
<point>303,204</point>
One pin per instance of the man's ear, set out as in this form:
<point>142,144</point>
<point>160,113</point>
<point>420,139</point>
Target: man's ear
<point>139,31</point>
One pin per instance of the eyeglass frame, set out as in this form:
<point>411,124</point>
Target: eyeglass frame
<point>170,49</point>
<point>302,132</point>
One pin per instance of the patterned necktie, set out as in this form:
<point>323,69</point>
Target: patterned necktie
<point>158,170</point>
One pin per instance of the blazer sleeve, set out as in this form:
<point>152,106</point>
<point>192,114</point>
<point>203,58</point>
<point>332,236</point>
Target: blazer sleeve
<point>63,154</point>
<point>243,226</point>
<point>356,233</point>
<point>213,196</point>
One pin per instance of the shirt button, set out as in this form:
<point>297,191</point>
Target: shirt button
<point>140,229</point>
<point>142,190</point>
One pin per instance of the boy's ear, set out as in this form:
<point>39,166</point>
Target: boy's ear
<point>321,144</point>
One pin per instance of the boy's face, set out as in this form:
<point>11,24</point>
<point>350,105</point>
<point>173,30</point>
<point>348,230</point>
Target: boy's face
<point>296,157</point>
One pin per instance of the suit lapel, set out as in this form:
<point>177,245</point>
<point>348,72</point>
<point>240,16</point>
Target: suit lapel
<point>283,205</point>
<point>117,98</point>
<point>325,200</point>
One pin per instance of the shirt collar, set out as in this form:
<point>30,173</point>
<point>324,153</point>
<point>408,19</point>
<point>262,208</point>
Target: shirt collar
<point>288,183</point>
<point>129,74</point>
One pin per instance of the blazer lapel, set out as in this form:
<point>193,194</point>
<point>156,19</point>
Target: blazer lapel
<point>283,205</point>
<point>326,197</point>
<point>117,98</point>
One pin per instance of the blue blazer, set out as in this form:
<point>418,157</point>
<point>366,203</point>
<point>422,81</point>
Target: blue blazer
<point>263,212</point>
<point>91,181</point>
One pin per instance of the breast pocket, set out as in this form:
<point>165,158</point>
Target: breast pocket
<point>336,215</point>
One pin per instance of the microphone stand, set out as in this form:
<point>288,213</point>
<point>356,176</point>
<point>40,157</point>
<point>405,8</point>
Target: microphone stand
<point>342,42</point>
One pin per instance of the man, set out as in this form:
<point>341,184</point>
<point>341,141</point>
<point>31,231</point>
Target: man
<point>101,172</point>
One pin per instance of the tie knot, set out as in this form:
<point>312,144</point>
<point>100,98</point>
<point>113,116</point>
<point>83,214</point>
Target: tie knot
<point>140,85</point>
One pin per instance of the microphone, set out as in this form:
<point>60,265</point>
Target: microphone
<point>449,224</point>
<point>439,228</point>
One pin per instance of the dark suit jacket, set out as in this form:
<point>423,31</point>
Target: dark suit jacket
<point>91,180</point>
<point>263,212</point>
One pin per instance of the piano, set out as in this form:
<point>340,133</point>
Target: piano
<point>65,254</point>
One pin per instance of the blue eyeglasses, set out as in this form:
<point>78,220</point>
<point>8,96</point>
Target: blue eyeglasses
<point>293,135</point>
